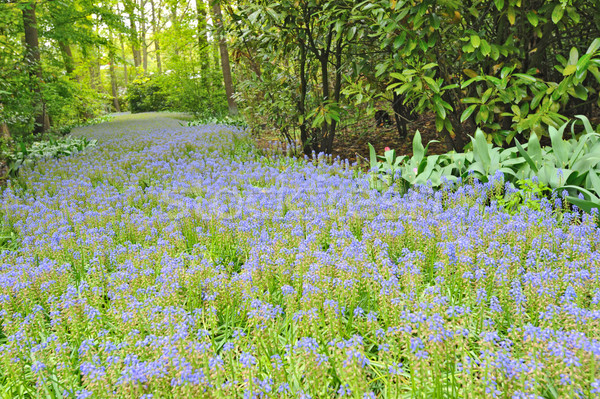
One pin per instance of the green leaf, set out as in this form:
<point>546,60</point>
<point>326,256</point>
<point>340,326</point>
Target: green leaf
<point>511,15</point>
<point>440,110</point>
<point>373,157</point>
<point>580,92</point>
<point>584,205</point>
<point>557,13</point>
<point>525,76</point>
<point>499,4</point>
<point>594,46</point>
<point>481,149</point>
<point>559,146</point>
<point>532,164</point>
<point>569,70</point>
<point>594,181</point>
<point>486,49</point>
<point>467,112</point>
<point>475,41</point>
<point>586,123</point>
<point>418,149</point>
<point>439,123</point>
<point>533,18</point>
<point>573,56</point>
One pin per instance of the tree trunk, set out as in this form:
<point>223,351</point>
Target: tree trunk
<point>175,26</point>
<point>125,77</point>
<point>67,55</point>
<point>155,32</point>
<point>33,60</point>
<point>113,82</point>
<point>143,36</point>
<point>302,102</point>
<point>4,132</point>
<point>122,42</point>
<point>203,49</point>
<point>135,45</point>
<point>227,79</point>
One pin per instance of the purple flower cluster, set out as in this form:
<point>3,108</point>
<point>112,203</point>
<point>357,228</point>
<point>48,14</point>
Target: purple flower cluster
<point>174,262</point>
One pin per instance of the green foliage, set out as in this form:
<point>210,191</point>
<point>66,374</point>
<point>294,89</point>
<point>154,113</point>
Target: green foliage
<point>566,165</point>
<point>177,91</point>
<point>507,67</point>
<point>293,56</point>
<point>227,120</point>
<point>144,94</point>
<point>526,103</point>
<point>529,193</point>
<point>28,156</point>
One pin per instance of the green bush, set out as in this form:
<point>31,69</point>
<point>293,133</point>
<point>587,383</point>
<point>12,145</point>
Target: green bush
<point>181,91</point>
<point>145,94</point>
<point>566,165</point>
<point>25,155</point>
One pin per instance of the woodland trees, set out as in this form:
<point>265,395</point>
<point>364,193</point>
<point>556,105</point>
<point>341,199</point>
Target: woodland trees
<point>64,62</point>
<point>506,66</point>
<point>303,67</point>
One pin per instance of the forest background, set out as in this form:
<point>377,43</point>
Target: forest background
<point>306,71</point>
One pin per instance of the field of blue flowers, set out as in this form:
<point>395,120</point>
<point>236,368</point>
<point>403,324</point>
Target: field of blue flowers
<point>176,262</point>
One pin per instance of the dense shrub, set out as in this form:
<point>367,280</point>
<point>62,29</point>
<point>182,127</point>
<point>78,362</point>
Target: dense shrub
<point>145,95</point>
<point>183,91</point>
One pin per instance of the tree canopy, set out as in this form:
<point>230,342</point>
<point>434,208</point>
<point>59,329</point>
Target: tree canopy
<point>303,67</point>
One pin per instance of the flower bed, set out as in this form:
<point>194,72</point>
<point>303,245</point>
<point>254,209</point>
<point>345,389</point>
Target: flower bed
<point>177,262</point>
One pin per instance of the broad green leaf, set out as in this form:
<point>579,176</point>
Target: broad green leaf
<point>559,146</point>
<point>373,157</point>
<point>533,18</point>
<point>584,205</point>
<point>439,108</point>
<point>557,13</point>
<point>481,149</point>
<point>486,49</point>
<point>573,56</point>
<point>569,70</point>
<point>511,15</point>
<point>475,41</point>
<point>418,149</point>
<point>594,181</point>
<point>594,46</point>
<point>525,76</point>
<point>580,92</point>
<point>467,112</point>
<point>525,155</point>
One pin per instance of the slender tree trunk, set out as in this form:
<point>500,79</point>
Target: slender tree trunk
<point>203,48</point>
<point>302,102</point>
<point>33,59</point>
<point>143,36</point>
<point>92,72</point>
<point>227,79</point>
<point>113,81</point>
<point>122,42</point>
<point>67,55</point>
<point>337,91</point>
<point>99,74</point>
<point>125,77</point>
<point>175,25</point>
<point>155,32</point>
<point>135,40</point>
<point>4,132</point>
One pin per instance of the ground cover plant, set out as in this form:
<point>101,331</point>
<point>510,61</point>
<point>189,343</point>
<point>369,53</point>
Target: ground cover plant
<point>179,261</point>
<point>28,155</point>
<point>566,166</point>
